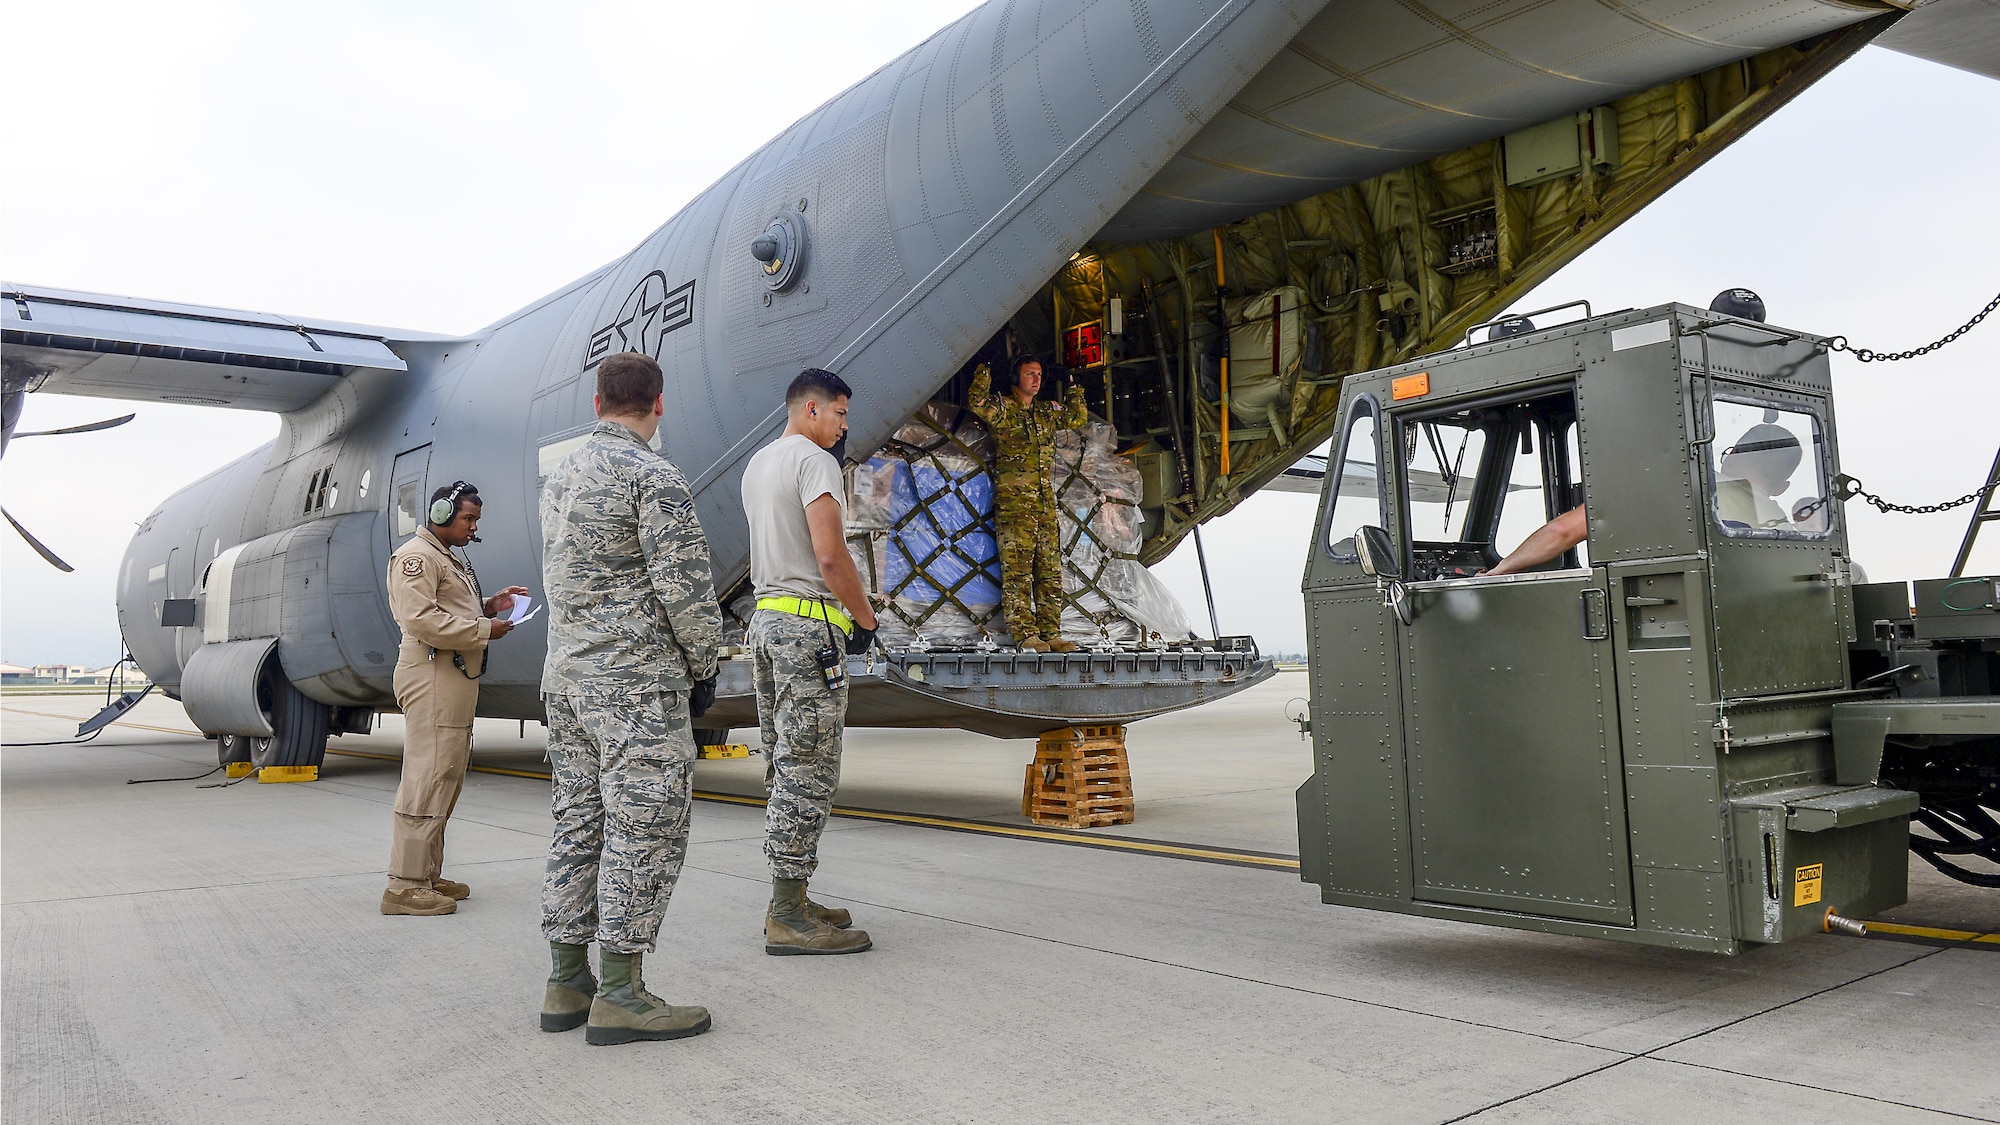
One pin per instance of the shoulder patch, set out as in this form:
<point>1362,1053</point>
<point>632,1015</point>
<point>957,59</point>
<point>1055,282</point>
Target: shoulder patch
<point>413,565</point>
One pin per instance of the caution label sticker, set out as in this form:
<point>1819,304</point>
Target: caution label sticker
<point>1805,885</point>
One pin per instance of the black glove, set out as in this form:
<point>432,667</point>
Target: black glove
<point>860,640</point>
<point>701,698</point>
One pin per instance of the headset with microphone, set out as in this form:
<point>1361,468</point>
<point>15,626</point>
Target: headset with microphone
<point>445,509</point>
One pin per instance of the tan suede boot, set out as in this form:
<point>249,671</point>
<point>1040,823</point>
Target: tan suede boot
<point>624,1012</point>
<point>834,916</point>
<point>1033,644</point>
<point>1060,645</point>
<point>421,902</point>
<point>789,931</point>
<point>456,892</point>
<point>566,1002</point>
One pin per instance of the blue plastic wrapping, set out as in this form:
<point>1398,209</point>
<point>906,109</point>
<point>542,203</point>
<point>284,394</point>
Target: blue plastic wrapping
<point>941,510</point>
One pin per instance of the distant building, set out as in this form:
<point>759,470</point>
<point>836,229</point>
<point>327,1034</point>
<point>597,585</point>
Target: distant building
<point>104,675</point>
<point>70,674</point>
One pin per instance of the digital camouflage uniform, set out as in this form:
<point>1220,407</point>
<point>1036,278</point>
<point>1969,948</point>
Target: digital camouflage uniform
<point>1024,501</point>
<point>632,625</point>
<point>801,719</point>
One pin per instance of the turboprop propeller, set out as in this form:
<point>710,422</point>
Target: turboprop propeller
<point>12,415</point>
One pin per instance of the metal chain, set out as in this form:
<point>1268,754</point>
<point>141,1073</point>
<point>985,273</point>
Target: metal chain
<point>1847,487</point>
<point>1868,355</point>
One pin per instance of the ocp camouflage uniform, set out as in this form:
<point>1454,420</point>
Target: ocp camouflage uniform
<point>1024,501</point>
<point>633,625</point>
<point>801,720</point>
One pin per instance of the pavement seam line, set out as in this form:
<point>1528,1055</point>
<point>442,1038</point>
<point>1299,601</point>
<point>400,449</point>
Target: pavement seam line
<point>244,883</point>
<point>1206,972</point>
<point>1822,1089</point>
<point>1651,1052</point>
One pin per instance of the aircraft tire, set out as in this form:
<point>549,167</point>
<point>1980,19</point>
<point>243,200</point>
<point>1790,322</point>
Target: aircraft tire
<point>299,728</point>
<point>232,748</point>
<point>706,736</point>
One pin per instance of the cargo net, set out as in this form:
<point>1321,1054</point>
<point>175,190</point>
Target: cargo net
<point>920,527</point>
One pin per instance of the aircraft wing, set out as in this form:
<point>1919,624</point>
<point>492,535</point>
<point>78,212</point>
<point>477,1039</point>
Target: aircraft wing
<point>1958,33</point>
<point>1426,487</point>
<point>66,342</point>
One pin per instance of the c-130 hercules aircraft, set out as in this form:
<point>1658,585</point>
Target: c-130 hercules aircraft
<point>1130,189</point>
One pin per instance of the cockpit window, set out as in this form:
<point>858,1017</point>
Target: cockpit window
<point>1767,472</point>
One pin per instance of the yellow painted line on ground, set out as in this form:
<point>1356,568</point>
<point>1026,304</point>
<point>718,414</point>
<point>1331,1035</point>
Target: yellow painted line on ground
<point>1113,843</point>
<point>474,769</point>
<point>75,719</point>
<point>1932,932</point>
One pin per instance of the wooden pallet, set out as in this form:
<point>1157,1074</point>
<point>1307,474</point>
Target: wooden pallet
<point>1080,778</point>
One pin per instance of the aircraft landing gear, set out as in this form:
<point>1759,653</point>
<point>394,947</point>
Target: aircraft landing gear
<point>236,750</point>
<point>297,745</point>
<point>299,729</point>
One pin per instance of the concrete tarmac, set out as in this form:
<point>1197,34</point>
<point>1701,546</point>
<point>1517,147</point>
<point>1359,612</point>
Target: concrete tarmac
<point>175,953</point>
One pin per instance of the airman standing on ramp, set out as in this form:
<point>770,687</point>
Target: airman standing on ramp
<point>812,612</point>
<point>1024,500</point>
<point>434,596</point>
<point>633,634</point>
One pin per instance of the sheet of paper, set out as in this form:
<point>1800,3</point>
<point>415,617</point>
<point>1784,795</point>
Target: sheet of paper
<point>522,604</point>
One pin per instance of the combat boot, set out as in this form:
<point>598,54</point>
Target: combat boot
<point>456,892</point>
<point>421,902</point>
<point>790,931</point>
<point>624,1012</point>
<point>1060,645</point>
<point>1034,644</point>
<point>834,916</point>
<point>566,1003</point>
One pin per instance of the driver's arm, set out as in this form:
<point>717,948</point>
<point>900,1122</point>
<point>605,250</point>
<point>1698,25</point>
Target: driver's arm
<point>1549,541</point>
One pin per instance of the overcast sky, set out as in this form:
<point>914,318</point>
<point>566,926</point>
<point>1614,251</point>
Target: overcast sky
<point>435,166</point>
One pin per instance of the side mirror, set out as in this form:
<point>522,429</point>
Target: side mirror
<point>1377,553</point>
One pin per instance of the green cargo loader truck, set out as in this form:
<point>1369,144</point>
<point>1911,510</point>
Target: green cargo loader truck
<point>1693,728</point>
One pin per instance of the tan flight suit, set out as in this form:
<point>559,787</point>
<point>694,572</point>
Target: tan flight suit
<point>436,601</point>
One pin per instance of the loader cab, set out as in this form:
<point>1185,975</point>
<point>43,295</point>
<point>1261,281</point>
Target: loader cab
<point>1591,746</point>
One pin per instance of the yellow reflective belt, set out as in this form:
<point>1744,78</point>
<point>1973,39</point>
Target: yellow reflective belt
<point>807,607</point>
